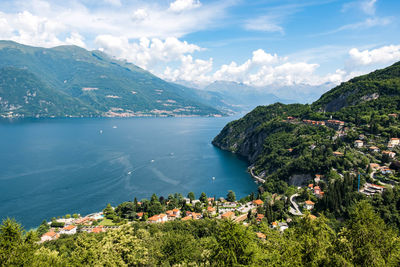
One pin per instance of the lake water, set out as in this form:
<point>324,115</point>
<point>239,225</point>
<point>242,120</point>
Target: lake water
<point>52,167</point>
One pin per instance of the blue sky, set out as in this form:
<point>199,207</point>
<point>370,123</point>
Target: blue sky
<point>261,43</point>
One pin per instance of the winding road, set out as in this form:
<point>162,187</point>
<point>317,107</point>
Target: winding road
<point>295,210</point>
<point>257,178</point>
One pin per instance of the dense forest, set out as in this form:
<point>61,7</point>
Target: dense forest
<point>364,240</point>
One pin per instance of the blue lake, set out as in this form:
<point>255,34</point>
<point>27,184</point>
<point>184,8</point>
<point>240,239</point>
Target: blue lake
<point>52,167</point>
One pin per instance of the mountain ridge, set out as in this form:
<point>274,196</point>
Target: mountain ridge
<point>104,86</point>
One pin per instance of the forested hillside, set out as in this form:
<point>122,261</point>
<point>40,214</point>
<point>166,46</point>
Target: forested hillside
<point>92,83</point>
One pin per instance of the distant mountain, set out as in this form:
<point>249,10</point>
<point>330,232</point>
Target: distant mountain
<point>301,93</point>
<point>71,81</point>
<point>243,96</point>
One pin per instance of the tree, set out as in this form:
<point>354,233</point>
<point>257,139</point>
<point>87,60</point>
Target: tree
<point>197,207</point>
<point>191,196</point>
<point>43,228</point>
<point>109,212</point>
<point>203,197</point>
<point>234,245</point>
<point>153,198</point>
<point>370,241</point>
<point>231,197</point>
<point>15,250</point>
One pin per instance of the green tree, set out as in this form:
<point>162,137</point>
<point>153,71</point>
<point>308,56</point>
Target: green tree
<point>203,197</point>
<point>234,245</point>
<point>191,196</point>
<point>231,197</point>
<point>109,212</point>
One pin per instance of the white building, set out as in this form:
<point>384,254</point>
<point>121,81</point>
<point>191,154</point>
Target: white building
<point>309,205</point>
<point>358,143</point>
<point>68,230</point>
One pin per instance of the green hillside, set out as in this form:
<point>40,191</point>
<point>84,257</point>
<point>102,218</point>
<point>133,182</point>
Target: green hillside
<point>289,144</point>
<point>91,79</point>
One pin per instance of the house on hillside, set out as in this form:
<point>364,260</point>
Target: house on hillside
<point>338,154</point>
<point>258,202</point>
<point>260,217</point>
<point>390,154</point>
<point>374,149</point>
<point>228,215</point>
<point>49,236</point>
<point>358,143</point>
<point>68,230</point>
<point>211,210</point>
<point>318,192</point>
<point>160,218</point>
<point>308,205</point>
<point>393,142</point>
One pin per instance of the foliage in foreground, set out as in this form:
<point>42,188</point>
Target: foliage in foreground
<point>364,240</point>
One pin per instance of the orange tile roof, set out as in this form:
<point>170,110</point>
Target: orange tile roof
<point>309,202</point>
<point>154,218</point>
<point>311,185</point>
<point>317,188</point>
<point>210,208</point>
<point>175,210</point>
<point>260,216</point>
<point>169,212</point>
<point>261,235</point>
<point>258,202</point>
<point>228,214</point>
<point>50,234</point>
<point>275,223</point>
<point>98,229</point>
<point>140,214</point>
<point>69,227</point>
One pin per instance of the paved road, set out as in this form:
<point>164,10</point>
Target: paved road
<point>257,178</point>
<point>295,210</point>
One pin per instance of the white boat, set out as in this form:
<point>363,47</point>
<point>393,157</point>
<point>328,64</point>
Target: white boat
<point>101,131</point>
<point>152,160</point>
<point>129,173</point>
<point>114,127</point>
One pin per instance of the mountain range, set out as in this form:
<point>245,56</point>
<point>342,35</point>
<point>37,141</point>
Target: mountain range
<point>71,81</point>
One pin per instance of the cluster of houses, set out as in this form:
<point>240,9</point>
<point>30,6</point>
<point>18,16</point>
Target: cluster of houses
<point>371,189</point>
<point>71,226</point>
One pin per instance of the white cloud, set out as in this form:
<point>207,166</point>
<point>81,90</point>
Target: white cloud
<point>181,5</point>
<point>140,14</point>
<point>147,52</point>
<point>263,23</point>
<point>383,55</point>
<point>76,39</point>
<point>366,6</point>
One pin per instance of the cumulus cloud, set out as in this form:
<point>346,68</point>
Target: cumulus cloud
<point>383,55</point>
<point>181,5</point>
<point>146,52</point>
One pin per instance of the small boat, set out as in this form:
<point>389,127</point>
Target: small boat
<point>213,178</point>
<point>171,153</point>
<point>114,127</point>
<point>101,131</point>
<point>129,173</point>
<point>152,160</point>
